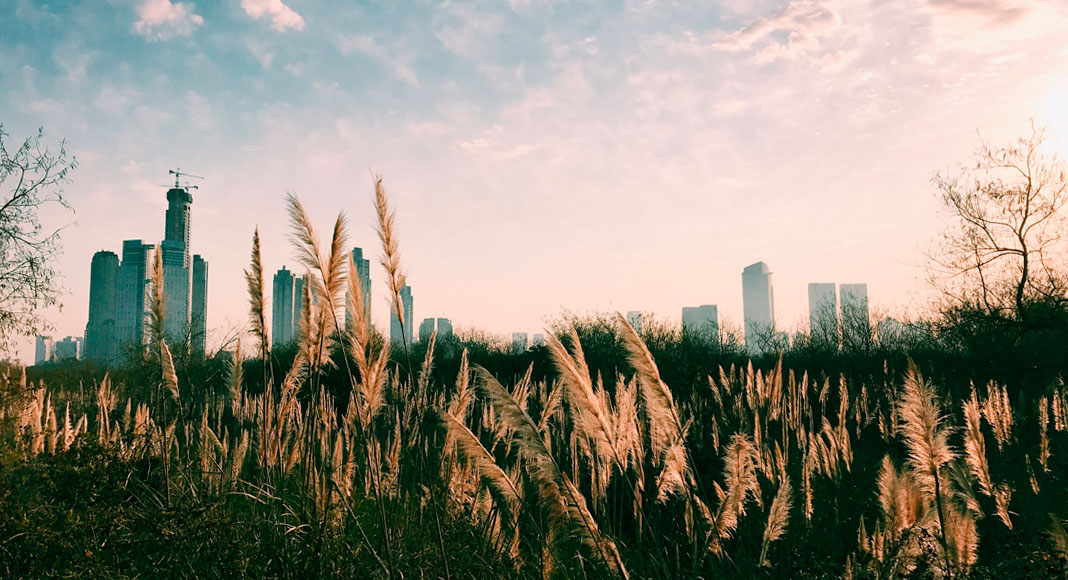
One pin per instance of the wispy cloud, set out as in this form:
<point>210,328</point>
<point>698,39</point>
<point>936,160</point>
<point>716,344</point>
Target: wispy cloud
<point>162,20</point>
<point>282,16</point>
<point>398,63</point>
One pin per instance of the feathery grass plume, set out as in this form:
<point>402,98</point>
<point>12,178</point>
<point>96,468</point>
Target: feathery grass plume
<point>170,378</point>
<point>926,438</point>
<point>923,425</point>
<point>587,410</point>
<point>658,403</point>
<point>1058,535</point>
<point>474,453</point>
<point>778,518</point>
<point>566,506</point>
<point>330,282</point>
<point>998,413</point>
<point>1002,497</point>
<point>739,474</point>
<point>387,234</point>
<point>1043,433</point>
<point>157,312</point>
<point>359,327</point>
<point>257,311</point>
<point>975,445</point>
<point>105,401</point>
<point>236,375</point>
<point>423,384</point>
<point>462,396</point>
<point>963,539</point>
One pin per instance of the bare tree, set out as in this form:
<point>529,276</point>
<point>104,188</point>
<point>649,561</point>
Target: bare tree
<point>1006,247</point>
<point>31,177</point>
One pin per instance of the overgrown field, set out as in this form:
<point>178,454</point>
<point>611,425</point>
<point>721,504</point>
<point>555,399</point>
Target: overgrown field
<point>356,461</point>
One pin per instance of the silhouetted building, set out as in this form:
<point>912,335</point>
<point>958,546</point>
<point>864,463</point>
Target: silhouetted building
<point>444,327</point>
<point>198,315</point>
<point>823,314</point>
<point>133,298</point>
<point>363,273</point>
<point>538,340</point>
<point>177,275</point>
<point>426,329</point>
<point>283,300</point>
<point>69,348</point>
<point>634,318</point>
<point>43,349</point>
<point>397,332</point>
<point>100,341</point>
<point>701,321</point>
<point>758,299</point>
<point>519,342</point>
<point>856,327</point>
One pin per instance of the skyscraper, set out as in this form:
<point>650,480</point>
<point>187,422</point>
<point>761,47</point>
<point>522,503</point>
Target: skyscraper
<point>444,327</point>
<point>758,301</point>
<point>100,344</point>
<point>133,293</point>
<point>43,349</point>
<point>363,272</point>
<point>856,327</point>
<point>282,299</point>
<point>823,314</point>
<point>634,318</point>
<point>198,315</point>
<point>69,348</point>
<point>426,329</point>
<point>396,332</point>
<point>177,279</point>
<point>702,321</point>
<point>520,342</point>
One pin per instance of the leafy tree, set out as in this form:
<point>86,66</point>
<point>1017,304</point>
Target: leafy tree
<point>31,177</point>
<point>1004,252</point>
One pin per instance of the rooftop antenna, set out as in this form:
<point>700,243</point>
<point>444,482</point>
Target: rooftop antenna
<point>178,173</point>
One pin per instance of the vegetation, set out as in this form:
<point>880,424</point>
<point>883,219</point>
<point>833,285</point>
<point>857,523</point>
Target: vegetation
<point>31,178</point>
<point>605,453</point>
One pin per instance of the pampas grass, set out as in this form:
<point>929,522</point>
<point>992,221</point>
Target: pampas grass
<point>256,301</point>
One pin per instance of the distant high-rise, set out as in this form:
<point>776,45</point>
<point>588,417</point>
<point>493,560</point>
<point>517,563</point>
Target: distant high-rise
<point>538,340</point>
<point>133,293</point>
<point>758,299</point>
<point>634,318</point>
<point>282,300</point>
<point>396,332</point>
<point>100,343</point>
<point>426,329</point>
<point>363,272</point>
<point>444,327</point>
<point>69,348</point>
<point>702,321</point>
<point>823,314</point>
<point>43,351</point>
<point>856,327</point>
<point>177,275</point>
<point>198,315</point>
<point>519,342</point>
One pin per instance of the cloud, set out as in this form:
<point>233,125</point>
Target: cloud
<point>398,64</point>
<point>282,17</point>
<point>793,31</point>
<point>465,30</point>
<point>161,20</point>
<point>996,11</point>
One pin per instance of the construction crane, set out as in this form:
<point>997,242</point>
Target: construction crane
<point>178,173</point>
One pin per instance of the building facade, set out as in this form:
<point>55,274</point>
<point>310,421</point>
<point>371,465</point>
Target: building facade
<point>133,294</point>
<point>823,314</point>
<point>397,331</point>
<point>856,326</point>
<point>100,340</point>
<point>282,303</point>
<point>758,301</point>
<point>701,321</point>
<point>198,309</point>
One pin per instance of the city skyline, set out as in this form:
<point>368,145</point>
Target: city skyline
<point>723,133</point>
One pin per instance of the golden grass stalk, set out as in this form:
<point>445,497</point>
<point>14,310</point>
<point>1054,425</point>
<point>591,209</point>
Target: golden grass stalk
<point>256,302</point>
<point>778,518</point>
<point>475,454</point>
<point>998,413</point>
<point>236,375</point>
<point>587,409</point>
<point>330,281</point>
<point>659,405</point>
<point>387,234</point>
<point>740,459</point>
<point>170,377</point>
<point>157,311</point>
<point>975,445</point>
<point>566,506</point>
<point>926,436</point>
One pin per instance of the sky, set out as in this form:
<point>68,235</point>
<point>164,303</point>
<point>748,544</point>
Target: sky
<point>543,156</point>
